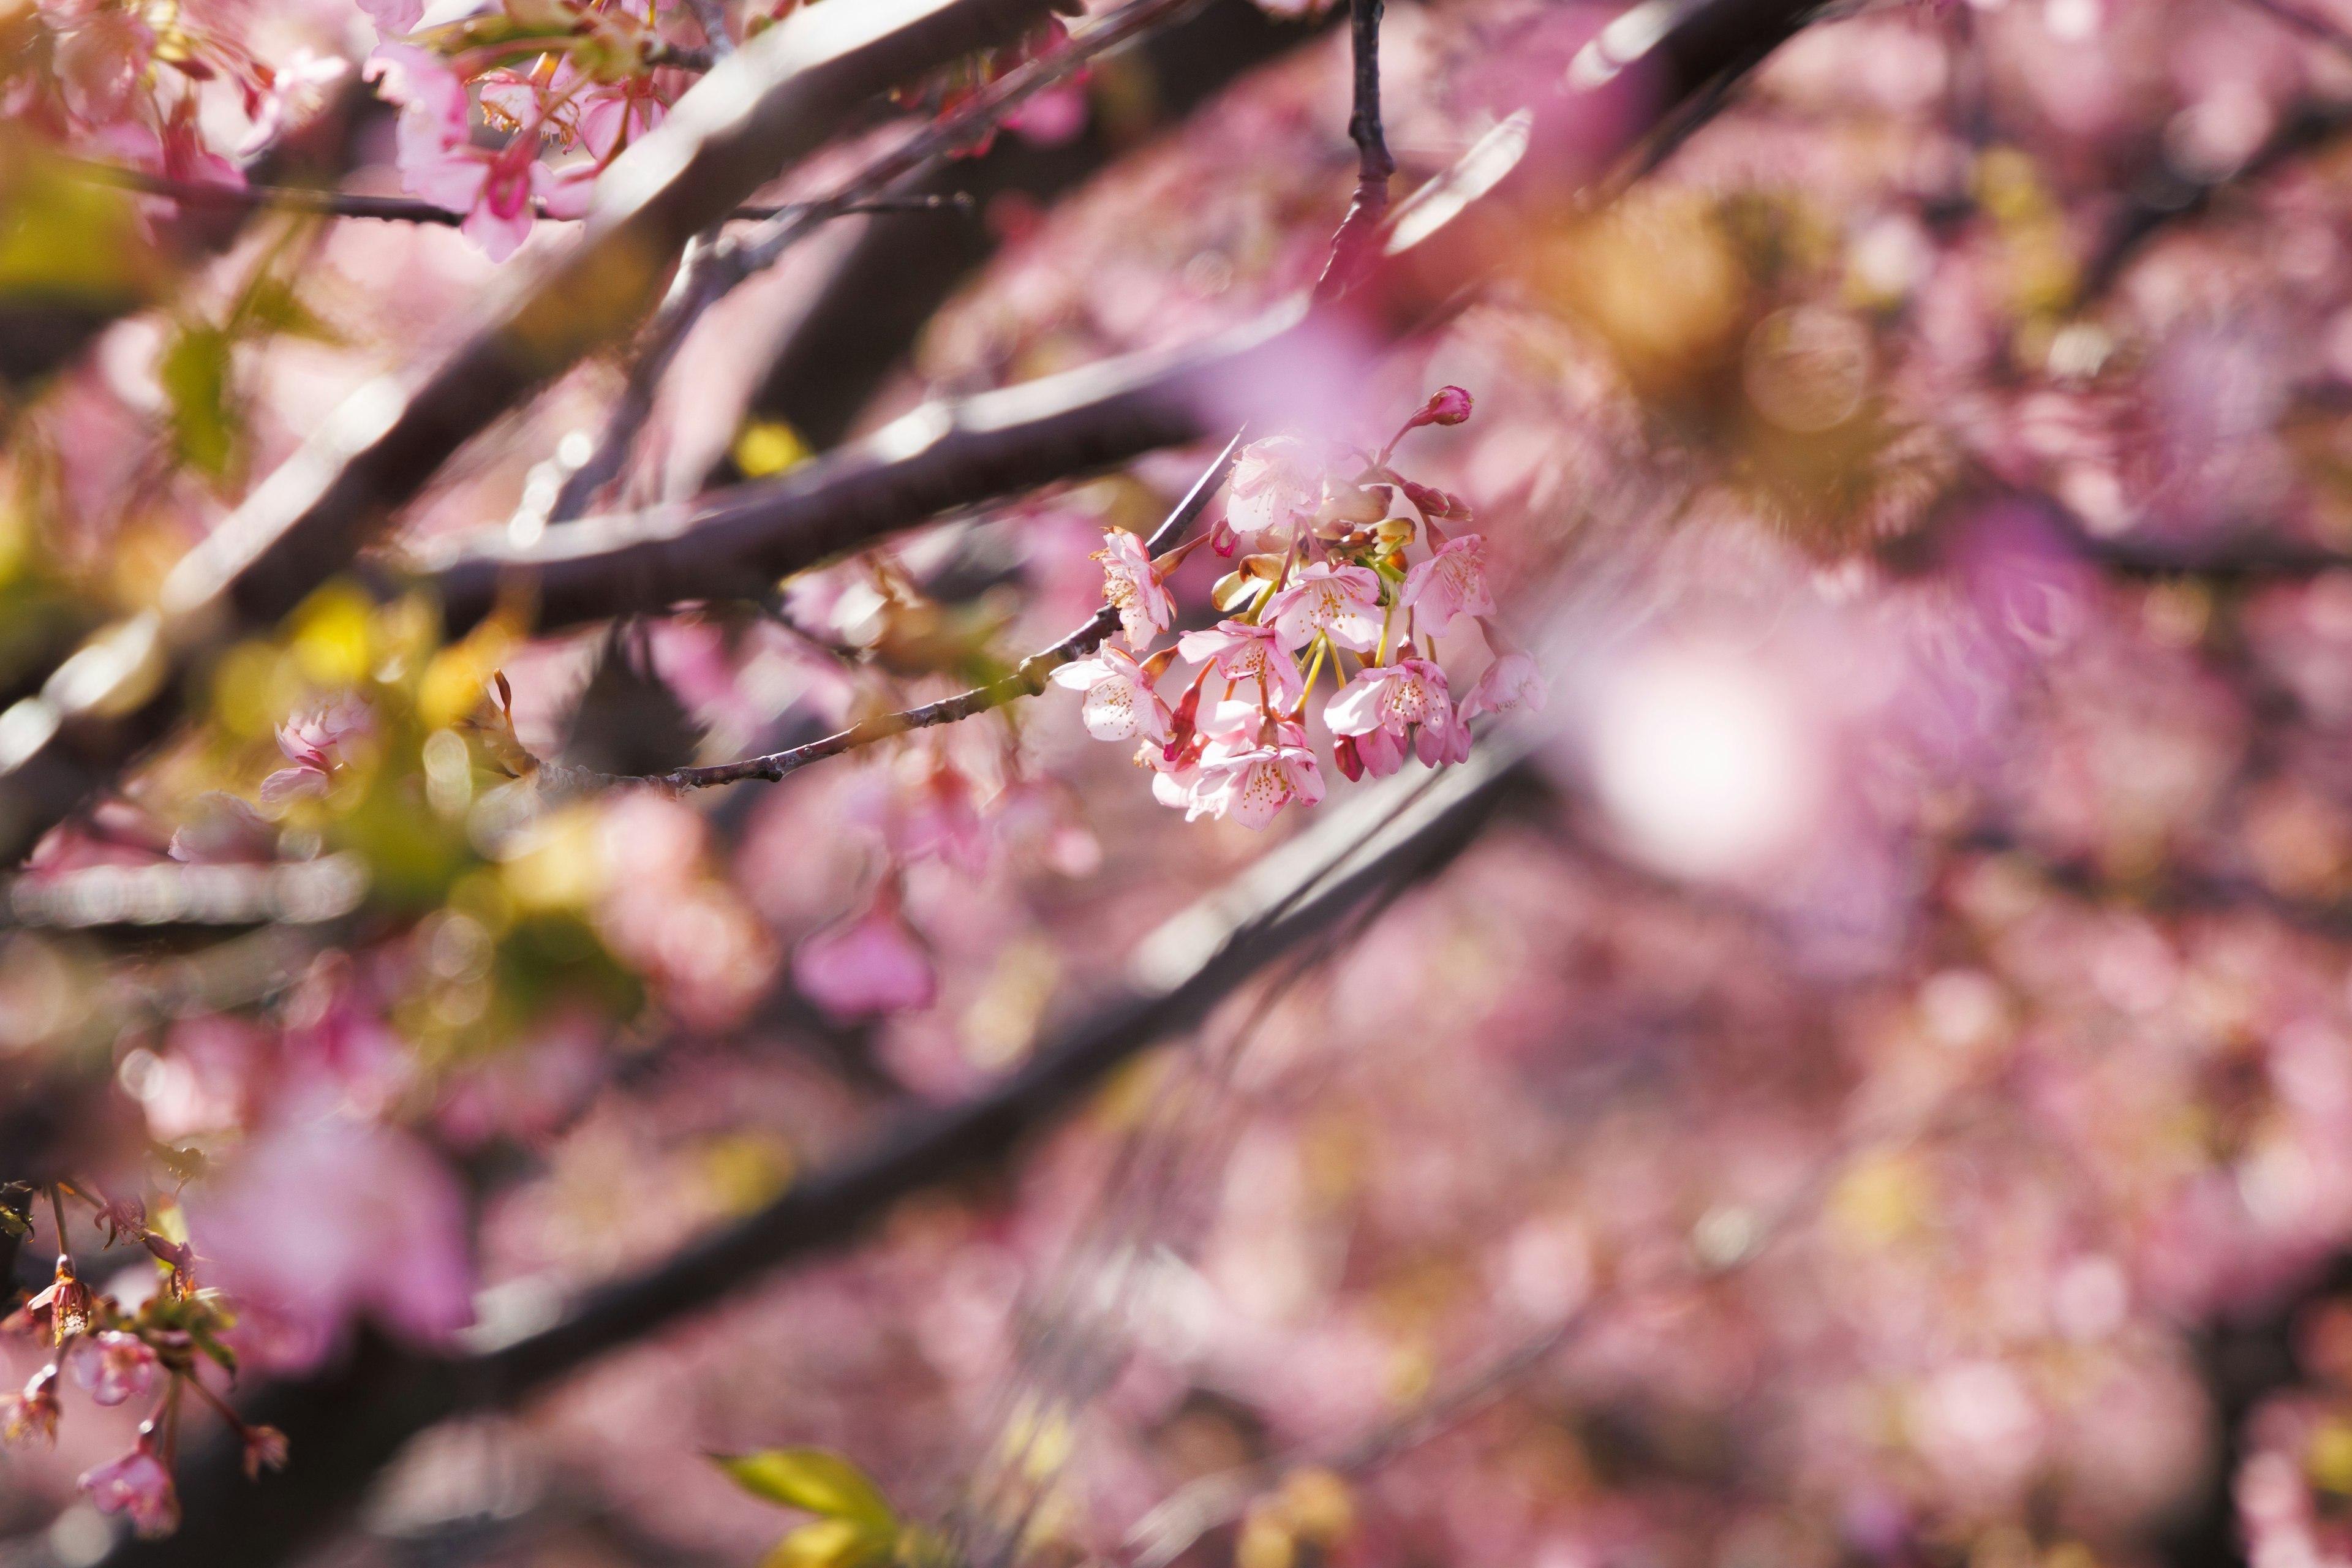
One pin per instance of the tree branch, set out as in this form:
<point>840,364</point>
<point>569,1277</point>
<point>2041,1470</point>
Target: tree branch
<point>409,209</point>
<point>1351,247</point>
<point>775,100</point>
<point>717,270</point>
<point>1027,679</point>
<point>345,1424</point>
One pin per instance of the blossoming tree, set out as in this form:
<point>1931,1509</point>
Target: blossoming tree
<point>1714,929</point>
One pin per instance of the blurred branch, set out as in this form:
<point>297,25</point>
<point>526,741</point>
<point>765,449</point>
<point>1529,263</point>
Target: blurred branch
<point>1027,679</point>
<point>345,1424</point>
<point>717,271</point>
<point>776,101</point>
<point>891,278</point>
<point>408,209</point>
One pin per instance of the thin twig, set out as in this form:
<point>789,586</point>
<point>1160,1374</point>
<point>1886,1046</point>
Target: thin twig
<point>1351,247</point>
<point>408,209</point>
<point>1027,679</point>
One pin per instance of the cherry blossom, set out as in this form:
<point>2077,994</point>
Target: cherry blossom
<point>1253,785</point>
<point>114,1367</point>
<point>1275,481</point>
<point>1406,697</point>
<point>1247,656</point>
<point>1132,583</point>
<point>1121,703</point>
<point>1511,681</point>
<point>1376,754</point>
<point>1342,603</point>
<point>138,1485</point>
<point>34,1412</point>
<point>298,86</point>
<point>1451,583</point>
<point>316,743</point>
<point>871,963</point>
<point>394,17</point>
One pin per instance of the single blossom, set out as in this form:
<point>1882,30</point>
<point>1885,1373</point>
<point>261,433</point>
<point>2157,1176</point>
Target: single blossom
<point>1120,702</point>
<point>317,743</point>
<point>1407,697</point>
<point>1130,583</point>
<point>138,1485</point>
<point>1452,582</point>
<point>1247,656</point>
<point>870,963</point>
<point>264,1450</point>
<point>394,16</point>
<point>1275,481</point>
<point>1342,603</point>
<point>1511,681</point>
<point>433,145</point>
<point>1251,786</point>
<point>115,1367</point>
<point>100,63</point>
<point>34,1412</point>
<point>296,89</point>
<point>1377,752</point>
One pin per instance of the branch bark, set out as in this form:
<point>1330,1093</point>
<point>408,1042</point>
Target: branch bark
<point>344,1425</point>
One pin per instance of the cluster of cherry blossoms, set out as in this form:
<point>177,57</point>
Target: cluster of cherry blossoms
<point>118,1352</point>
<point>1326,579</point>
<point>127,81</point>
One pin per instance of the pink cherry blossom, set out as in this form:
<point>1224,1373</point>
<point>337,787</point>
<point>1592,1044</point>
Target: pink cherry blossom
<point>616,115</point>
<point>115,1367</point>
<point>394,16</point>
<point>317,1222</point>
<point>870,963</point>
<point>1451,583</point>
<point>34,1412</point>
<point>316,743</point>
<point>1408,696</point>
<point>138,1485</point>
<point>1130,583</point>
<point>1378,752</point>
<point>1446,406</point>
<point>99,65</point>
<point>1342,603</point>
<point>1247,656</point>
<point>438,161</point>
<point>1275,481</point>
<point>1120,702</point>
<point>297,88</point>
<point>1251,786</point>
<point>1511,681</point>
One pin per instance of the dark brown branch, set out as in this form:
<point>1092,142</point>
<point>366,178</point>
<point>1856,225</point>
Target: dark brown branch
<point>1027,679</point>
<point>945,457</point>
<point>344,1425</point>
<point>408,209</point>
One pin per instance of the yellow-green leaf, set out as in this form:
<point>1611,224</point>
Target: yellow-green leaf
<point>832,1543</point>
<point>814,1480</point>
<point>194,370</point>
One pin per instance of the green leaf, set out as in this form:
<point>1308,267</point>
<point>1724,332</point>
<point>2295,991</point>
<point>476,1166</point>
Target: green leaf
<point>13,1224</point>
<point>1234,589</point>
<point>832,1543</point>
<point>272,306</point>
<point>194,370</point>
<point>811,1478</point>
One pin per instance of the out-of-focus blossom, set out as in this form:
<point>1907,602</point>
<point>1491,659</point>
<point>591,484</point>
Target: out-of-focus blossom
<point>1121,703</point>
<point>1132,583</point>
<point>438,161</point>
<point>115,1367</point>
<point>1342,603</point>
<point>264,1450</point>
<point>1274,482</point>
<point>394,17</point>
<point>1451,583</point>
<point>316,743</point>
<point>222,828</point>
<point>34,1412</point>
<point>871,963</point>
<point>1511,681</point>
<point>99,65</point>
<point>315,1224</point>
<point>298,86</point>
<point>138,1485</point>
<point>1249,656</point>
